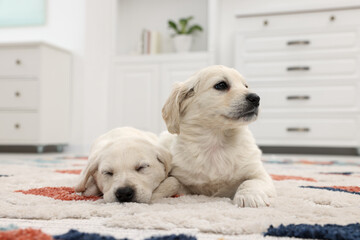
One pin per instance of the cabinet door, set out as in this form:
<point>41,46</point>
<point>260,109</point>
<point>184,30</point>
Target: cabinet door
<point>134,99</point>
<point>176,72</point>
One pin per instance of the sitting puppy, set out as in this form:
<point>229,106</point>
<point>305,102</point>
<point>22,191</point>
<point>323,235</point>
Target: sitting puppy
<point>214,153</point>
<point>127,165</point>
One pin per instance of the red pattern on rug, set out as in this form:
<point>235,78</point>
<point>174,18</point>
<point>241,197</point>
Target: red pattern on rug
<point>348,188</point>
<point>78,165</point>
<point>74,171</point>
<point>24,234</point>
<point>59,193</point>
<point>284,177</point>
<point>315,162</point>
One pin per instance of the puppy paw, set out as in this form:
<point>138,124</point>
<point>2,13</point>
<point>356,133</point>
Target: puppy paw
<point>251,199</point>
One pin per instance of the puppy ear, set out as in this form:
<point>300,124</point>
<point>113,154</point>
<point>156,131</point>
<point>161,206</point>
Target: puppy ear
<point>86,175</point>
<point>164,156</point>
<point>172,108</point>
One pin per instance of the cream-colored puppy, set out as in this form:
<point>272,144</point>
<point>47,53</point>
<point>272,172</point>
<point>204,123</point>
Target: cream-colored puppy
<point>214,153</point>
<point>126,165</point>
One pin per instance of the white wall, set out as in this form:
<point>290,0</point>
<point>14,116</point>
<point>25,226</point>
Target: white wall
<point>98,52</point>
<point>64,27</point>
<point>229,8</point>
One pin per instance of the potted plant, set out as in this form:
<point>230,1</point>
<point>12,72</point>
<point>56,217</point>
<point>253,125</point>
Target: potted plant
<point>183,33</point>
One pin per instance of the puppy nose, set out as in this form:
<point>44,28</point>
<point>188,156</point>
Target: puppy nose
<point>253,98</point>
<point>124,194</point>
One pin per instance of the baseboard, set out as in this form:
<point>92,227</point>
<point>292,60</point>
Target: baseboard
<point>310,150</point>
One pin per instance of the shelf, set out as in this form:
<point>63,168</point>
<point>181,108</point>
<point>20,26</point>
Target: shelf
<point>133,16</point>
<point>168,57</point>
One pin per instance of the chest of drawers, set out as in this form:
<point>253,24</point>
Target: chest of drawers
<point>34,95</point>
<point>305,67</point>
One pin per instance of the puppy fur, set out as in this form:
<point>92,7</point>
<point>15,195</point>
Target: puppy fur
<point>127,165</point>
<point>214,153</point>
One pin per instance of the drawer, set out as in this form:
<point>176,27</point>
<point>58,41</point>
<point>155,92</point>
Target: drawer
<point>18,126</point>
<point>308,97</point>
<point>19,62</point>
<point>293,43</point>
<point>19,94</point>
<point>313,68</point>
<point>297,20</point>
<point>305,129</point>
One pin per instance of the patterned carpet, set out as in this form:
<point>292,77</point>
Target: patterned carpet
<point>318,197</point>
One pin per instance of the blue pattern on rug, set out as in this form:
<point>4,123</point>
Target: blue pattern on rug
<point>76,235</point>
<point>172,237</point>
<point>339,173</point>
<point>328,231</point>
<point>9,227</point>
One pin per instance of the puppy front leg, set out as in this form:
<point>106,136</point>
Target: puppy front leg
<point>254,193</point>
<point>91,188</point>
<point>169,187</point>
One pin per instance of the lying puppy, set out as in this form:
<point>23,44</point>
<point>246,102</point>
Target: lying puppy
<point>127,165</point>
<point>214,153</point>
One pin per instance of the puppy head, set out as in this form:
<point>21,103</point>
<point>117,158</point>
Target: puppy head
<point>214,96</point>
<point>127,170</point>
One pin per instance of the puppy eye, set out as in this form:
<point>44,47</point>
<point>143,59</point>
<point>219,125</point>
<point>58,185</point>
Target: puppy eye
<point>141,167</point>
<point>246,86</point>
<point>221,86</point>
<point>107,173</point>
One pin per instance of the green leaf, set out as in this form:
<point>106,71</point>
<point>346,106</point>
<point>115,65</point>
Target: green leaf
<point>183,23</point>
<point>194,28</point>
<point>173,26</point>
<point>189,18</point>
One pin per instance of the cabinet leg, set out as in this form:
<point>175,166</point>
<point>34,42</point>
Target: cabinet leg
<point>59,148</point>
<point>39,149</point>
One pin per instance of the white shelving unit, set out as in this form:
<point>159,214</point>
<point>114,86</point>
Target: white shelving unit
<point>140,84</point>
<point>305,67</point>
<point>132,16</point>
<point>34,95</point>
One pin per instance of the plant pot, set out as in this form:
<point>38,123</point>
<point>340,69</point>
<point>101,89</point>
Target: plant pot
<point>182,43</point>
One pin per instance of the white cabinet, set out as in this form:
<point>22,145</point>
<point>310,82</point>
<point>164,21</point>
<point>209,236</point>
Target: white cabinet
<point>141,84</point>
<point>305,67</point>
<point>34,95</point>
<point>135,90</point>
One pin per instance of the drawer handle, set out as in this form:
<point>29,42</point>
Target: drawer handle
<point>298,69</point>
<point>17,94</point>
<point>298,42</point>
<point>298,97</point>
<point>17,125</point>
<point>18,62</point>
<point>298,129</point>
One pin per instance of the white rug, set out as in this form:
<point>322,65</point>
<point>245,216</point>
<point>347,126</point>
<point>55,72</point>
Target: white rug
<point>204,217</point>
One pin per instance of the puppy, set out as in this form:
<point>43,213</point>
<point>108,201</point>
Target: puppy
<point>214,153</point>
<point>127,165</point>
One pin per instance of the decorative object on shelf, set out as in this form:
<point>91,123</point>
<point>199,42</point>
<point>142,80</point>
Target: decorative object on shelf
<point>150,42</point>
<point>183,33</point>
